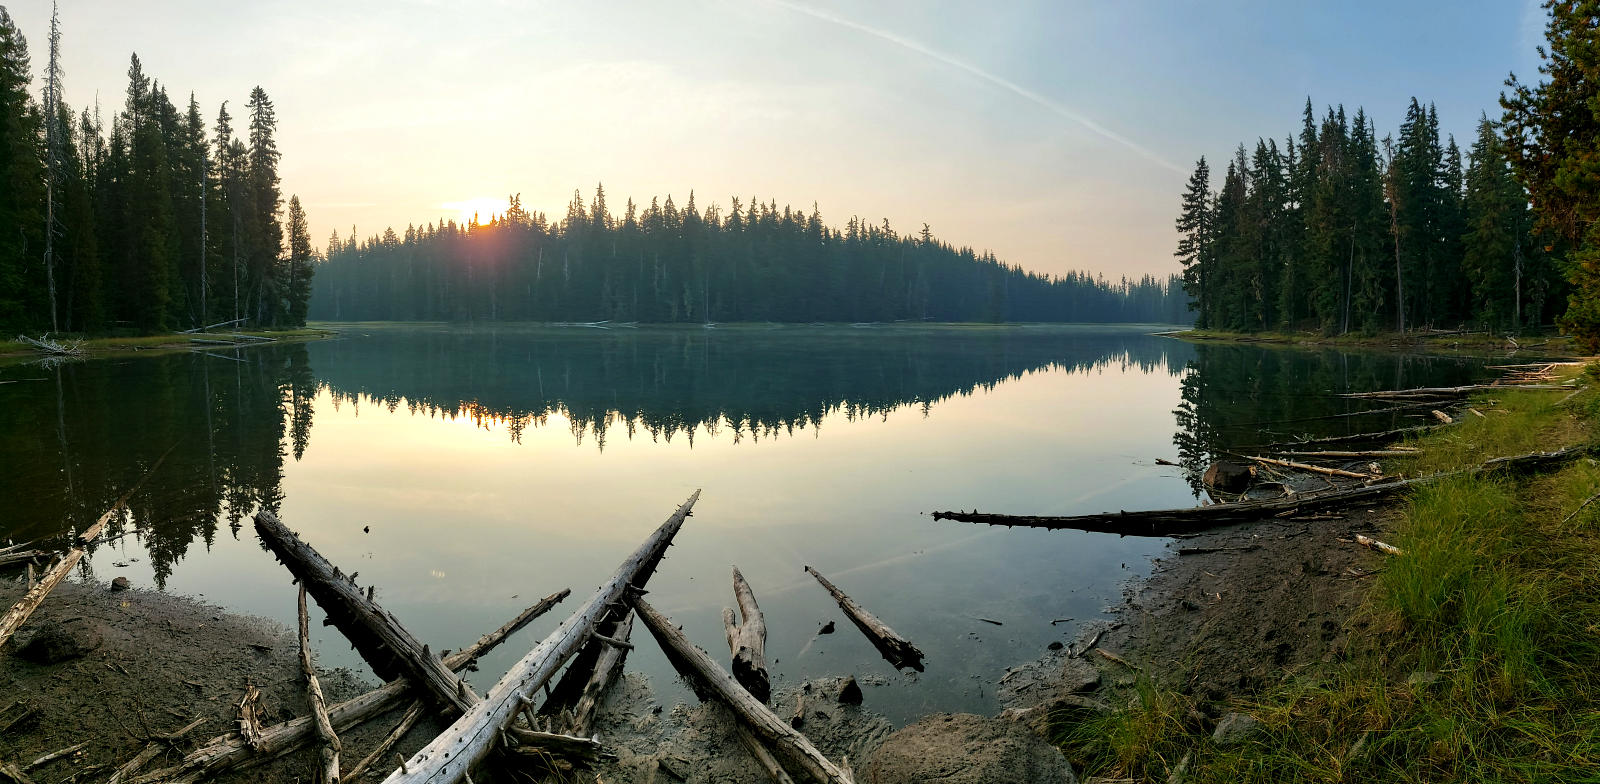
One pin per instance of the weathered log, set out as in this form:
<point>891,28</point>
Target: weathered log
<point>466,742</point>
<point>747,641</point>
<point>896,650</point>
<point>230,752</point>
<point>1335,454</point>
<point>389,647</point>
<point>1444,392</point>
<point>55,755</point>
<point>412,715</point>
<point>1374,544</point>
<point>328,773</point>
<point>1443,417</point>
<point>21,556</point>
<point>1311,468</point>
<point>714,682</point>
<point>9,772</point>
<point>534,743</point>
<point>1383,436</point>
<point>151,750</point>
<point>19,612</point>
<point>762,755</point>
<point>248,715</point>
<point>1166,522</point>
<point>605,670</point>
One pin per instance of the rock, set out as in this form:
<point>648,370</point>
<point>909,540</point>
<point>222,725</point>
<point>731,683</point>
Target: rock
<point>1235,729</point>
<point>54,642</point>
<point>966,749</point>
<point>1055,646</point>
<point>1079,676</point>
<point>120,584</point>
<point>1422,679</point>
<point>1228,476</point>
<point>827,628</point>
<point>850,692</point>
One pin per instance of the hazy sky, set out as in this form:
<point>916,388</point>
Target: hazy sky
<point>1058,134</point>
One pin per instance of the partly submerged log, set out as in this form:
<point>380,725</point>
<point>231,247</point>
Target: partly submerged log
<point>19,612</point>
<point>328,772</point>
<point>229,752</point>
<point>389,647</point>
<point>1166,522</point>
<point>1382,436</point>
<point>896,650</point>
<point>713,682</point>
<point>1443,392</point>
<point>466,742</point>
<point>747,640</point>
<point>605,671</point>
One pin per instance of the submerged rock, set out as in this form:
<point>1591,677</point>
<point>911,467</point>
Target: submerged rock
<point>1228,476</point>
<point>54,642</point>
<point>966,749</point>
<point>121,584</point>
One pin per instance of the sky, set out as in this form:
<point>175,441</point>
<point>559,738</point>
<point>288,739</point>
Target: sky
<point>1058,134</point>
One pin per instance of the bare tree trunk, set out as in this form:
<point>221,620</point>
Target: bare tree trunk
<point>52,98</point>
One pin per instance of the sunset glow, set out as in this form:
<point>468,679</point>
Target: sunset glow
<point>484,207</point>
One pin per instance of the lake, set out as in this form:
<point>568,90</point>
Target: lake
<point>466,471</point>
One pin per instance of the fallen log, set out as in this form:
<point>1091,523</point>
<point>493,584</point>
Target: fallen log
<point>1443,417</point>
<point>409,720</point>
<point>21,556</point>
<point>55,755</point>
<point>747,641</point>
<point>1380,436</point>
<point>1311,468</point>
<point>248,716</point>
<point>1333,454</point>
<point>229,752</point>
<point>533,743</point>
<point>606,669</point>
<point>389,647</point>
<point>1374,544</point>
<point>1443,392</point>
<point>328,773</point>
<point>896,650</point>
<point>151,750</point>
<point>1167,522</point>
<point>466,742</point>
<point>762,755</point>
<point>714,682</point>
<point>19,612</point>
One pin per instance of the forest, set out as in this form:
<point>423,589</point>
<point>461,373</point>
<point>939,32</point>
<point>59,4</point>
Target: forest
<point>145,224</point>
<point>1341,232</point>
<point>664,263</point>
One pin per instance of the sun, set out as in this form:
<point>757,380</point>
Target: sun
<point>484,207</point>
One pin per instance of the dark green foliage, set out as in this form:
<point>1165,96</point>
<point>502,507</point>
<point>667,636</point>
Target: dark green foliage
<point>1334,234</point>
<point>146,225</point>
<point>670,264</point>
<point>1553,133</point>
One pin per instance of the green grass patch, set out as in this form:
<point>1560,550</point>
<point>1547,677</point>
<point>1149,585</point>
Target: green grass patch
<point>1477,653</point>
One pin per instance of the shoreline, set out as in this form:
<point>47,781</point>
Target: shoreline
<point>95,348</point>
<point>1464,341</point>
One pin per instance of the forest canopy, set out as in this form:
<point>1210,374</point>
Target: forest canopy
<point>665,263</point>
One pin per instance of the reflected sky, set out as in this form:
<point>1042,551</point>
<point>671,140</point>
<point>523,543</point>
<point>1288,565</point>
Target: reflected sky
<point>484,489</point>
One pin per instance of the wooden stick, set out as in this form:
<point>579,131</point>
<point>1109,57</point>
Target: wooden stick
<point>229,752</point>
<point>1166,522</point>
<point>747,641</point>
<point>1311,468</point>
<point>715,682</point>
<point>1443,417</point>
<point>476,732</point>
<point>150,751</point>
<point>1347,455</point>
<point>19,612</point>
<point>896,650</point>
<point>329,772</point>
<point>55,755</point>
<point>1589,500</point>
<point>1387,549</point>
<point>1384,435</point>
<point>389,647</point>
<point>408,721</point>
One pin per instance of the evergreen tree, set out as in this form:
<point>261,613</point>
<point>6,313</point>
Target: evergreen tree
<point>1194,242</point>
<point>22,173</point>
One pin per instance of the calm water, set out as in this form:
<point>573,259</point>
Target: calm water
<point>494,466</point>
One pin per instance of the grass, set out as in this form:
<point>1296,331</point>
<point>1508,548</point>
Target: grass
<point>1497,594</point>
<point>1480,341</point>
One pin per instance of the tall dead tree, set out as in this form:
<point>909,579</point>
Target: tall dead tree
<point>52,145</point>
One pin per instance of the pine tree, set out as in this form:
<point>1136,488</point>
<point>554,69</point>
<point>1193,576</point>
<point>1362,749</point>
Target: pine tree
<point>1194,242</point>
<point>300,264</point>
<point>22,177</point>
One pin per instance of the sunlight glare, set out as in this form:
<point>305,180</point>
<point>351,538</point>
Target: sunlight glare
<point>486,208</point>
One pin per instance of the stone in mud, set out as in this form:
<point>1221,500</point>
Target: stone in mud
<point>1228,476</point>
<point>1235,729</point>
<point>120,584</point>
<point>850,692</point>
<point>55,642</point>
<point>1079,677</point>
<point>966,749</point>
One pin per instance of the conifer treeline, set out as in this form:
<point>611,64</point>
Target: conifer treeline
<point>153,225</point>
<point>664,263</point>
<point>1339,231</point>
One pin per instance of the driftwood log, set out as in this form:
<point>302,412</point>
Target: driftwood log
<point>1312,468</point>
<point>476,733</point>
<point>747,640</point>
<point>711,681</point>
<point>229,752</point>
<point>1166,522</point>
<point>896,650</point>
<point>606,668</point>
<point>1444,392</point>
<point>763,756</point>
<point>408,720</point>
<point>1382,436</point>
<point>19,612</point>
<point>1338,454</point>
<point>390,648</point>
<point>328,773</point>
